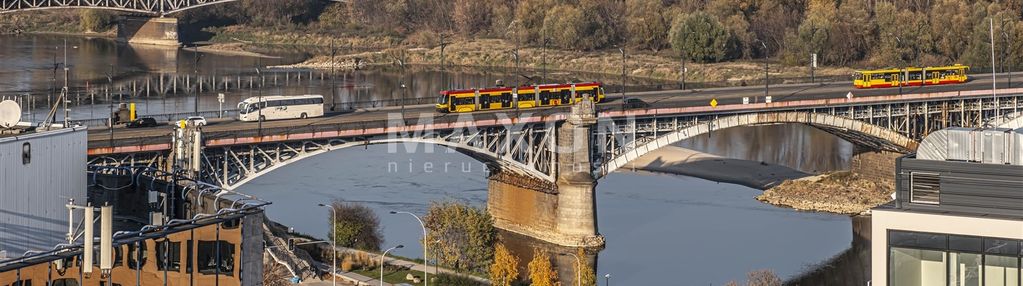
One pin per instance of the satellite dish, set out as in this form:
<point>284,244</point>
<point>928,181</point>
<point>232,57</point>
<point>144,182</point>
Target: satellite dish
<point>10,113</point>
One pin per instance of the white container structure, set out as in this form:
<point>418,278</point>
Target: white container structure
<point>39,172</point>
<point>988,146</point>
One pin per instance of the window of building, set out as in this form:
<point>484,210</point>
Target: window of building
<point>210,262</point>
<point>137,255</point>
<point>168,255</point>
<point>924,188</point>
<point>916,258</point>
<point>26,153</point>
<point>188,256</point>
<point>118,253</point>
<point>916,266</point>
<point>65,282</point>
<point>22,283</point>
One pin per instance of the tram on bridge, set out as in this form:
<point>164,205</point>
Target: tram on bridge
<point>910,76</point>
<point>523,97</point>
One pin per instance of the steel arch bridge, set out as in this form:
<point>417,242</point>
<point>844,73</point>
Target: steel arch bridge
<point>150,7</point>
<point>538,148</point>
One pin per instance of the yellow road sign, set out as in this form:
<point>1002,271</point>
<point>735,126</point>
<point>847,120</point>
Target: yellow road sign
<point>714,103</point>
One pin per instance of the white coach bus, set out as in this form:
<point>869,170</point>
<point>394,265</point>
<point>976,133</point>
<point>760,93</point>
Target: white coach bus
<point>280,107</point>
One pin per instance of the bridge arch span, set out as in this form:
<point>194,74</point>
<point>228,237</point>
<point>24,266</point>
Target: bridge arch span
<point>858,132</point>
<point>150,7</point>
<point>308,149</point>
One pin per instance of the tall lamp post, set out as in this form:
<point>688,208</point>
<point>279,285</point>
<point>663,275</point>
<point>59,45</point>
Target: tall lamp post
<point>622,51</point>
<point>426,263</point>
<point>198,82</point>
<point>767,68</point>
<point>333,244</point>
<point>382,262</point>
<point>546,41</point>
<point>259,102</point>
<point>994,80</point>
<point>607,279</point>
<point>1005,51</point>
<point>333,76</point>
<point>578,268</point>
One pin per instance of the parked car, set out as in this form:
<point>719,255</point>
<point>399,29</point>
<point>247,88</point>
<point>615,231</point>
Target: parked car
<point>142,122</point>
<point>633,103</point>
<point>196,120</point>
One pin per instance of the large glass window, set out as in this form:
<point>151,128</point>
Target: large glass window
<point>964,269</point>
<point>1001,270</point>
<point>916,267</point>
<point>916,258</point>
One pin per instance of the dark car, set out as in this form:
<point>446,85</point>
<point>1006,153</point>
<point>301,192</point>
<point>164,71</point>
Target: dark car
<point>142,122</point>
<point>633,103</point>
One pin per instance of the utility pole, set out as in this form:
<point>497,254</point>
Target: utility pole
<point>767,68</point>
<point>622,50</point>
<point>994,82</point>
<point>333,84</point>
<point>198,81</point>
<point>546,41</point>
<point>443,68</point>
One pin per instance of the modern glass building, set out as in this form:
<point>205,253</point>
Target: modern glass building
<point>953,222</point>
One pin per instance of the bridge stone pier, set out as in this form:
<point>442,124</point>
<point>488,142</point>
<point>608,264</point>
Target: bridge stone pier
<point>564,212</point>
<point>161,31</point>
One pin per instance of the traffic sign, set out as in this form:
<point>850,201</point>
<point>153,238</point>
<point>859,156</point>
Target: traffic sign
<point>713,103</point>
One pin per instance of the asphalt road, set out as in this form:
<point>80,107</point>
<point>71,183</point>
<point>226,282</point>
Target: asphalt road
<point>101,136</point>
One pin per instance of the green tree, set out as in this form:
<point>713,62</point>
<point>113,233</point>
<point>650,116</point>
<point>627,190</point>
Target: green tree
<point>466,235</point>
<point>646,24</point>
<point>471,16</point>
<point>355,226</point>
<point>95,20</point>
<point>541,272</point>
<point>505,269</point>
<point>565,25</point>
<point>528,25</point>
<point>850,36</point>
<point>701,38</point>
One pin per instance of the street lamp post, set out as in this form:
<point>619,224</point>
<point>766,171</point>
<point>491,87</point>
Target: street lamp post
<point>259,103</point>
<point>546,41</point>
<point>994,80</point>
<point>767,68</point>
<point>578,268</point>
<point>333,76</point>
<point>333,244</point>
<point>382,262</point>
<point>198,84</point>
<point>1005,52</point>
<point>426,263</point>
<point>607,279</point>
<point>622,50</point>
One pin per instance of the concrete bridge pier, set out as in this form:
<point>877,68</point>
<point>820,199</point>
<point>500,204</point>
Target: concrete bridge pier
<point>162,31</point>
<point>563,212</point>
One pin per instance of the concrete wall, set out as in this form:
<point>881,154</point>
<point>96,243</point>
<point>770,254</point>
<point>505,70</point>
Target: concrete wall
<point>884,220</point>
<point>33,194</point>
<point>875,165</point>
<point>149,31</point>
<point>522,205</point>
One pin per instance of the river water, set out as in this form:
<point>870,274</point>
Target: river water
<point>660,229</point>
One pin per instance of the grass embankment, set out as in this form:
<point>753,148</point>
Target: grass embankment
<point>838,192</point>
<point>374,50</point>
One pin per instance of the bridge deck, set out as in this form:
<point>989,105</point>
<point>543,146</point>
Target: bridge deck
<point>786,97</point>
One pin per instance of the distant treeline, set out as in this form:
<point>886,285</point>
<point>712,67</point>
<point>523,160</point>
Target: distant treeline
<point>842,32</point>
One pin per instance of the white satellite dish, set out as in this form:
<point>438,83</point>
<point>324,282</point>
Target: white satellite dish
<point>10,113</point>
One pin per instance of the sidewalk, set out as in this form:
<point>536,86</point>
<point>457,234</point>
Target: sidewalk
<point>411,265</point>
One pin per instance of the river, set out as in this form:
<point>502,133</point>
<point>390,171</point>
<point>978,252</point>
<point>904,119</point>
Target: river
<point>660,229</point>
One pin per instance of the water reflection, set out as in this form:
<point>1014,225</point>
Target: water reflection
<point>797,146</point>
